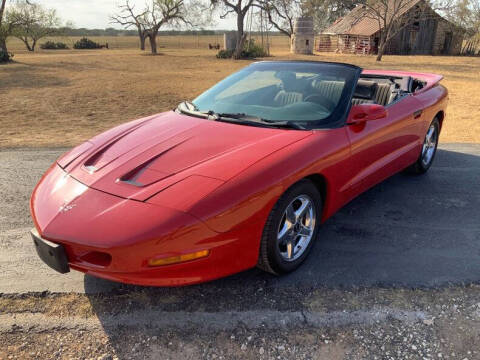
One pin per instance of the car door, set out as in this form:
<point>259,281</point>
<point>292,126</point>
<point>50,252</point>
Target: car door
<point>380,148</point>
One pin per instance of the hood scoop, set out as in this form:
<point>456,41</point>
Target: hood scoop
<point>149,157</point>
<point>144,174</point>
<point>103,157</point>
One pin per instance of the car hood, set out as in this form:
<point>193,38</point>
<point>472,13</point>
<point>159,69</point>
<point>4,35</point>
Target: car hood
<point>141,158</point>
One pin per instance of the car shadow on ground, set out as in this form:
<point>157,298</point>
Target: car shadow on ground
<point>407,231</point>
<point>412,231</point>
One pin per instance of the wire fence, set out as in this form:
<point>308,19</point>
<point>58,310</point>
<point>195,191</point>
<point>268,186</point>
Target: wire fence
<point>278,42</point>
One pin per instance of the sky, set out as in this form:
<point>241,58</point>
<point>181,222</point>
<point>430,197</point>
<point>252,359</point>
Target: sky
<point>95,13</point>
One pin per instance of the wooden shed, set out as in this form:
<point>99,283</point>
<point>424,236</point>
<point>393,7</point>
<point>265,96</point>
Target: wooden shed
<point>357,33</point>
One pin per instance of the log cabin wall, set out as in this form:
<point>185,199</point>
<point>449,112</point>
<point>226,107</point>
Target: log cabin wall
<point>432,35</point>
<point>345,44</point>
<point>415,39</point>
<point>448,39</point>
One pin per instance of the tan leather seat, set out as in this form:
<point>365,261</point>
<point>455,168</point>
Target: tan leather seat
<point>364,92</point>
<point>383,94</point>
<point>380,93</point>
<point>288,97</point>
<point>329,89</point>
<point>357,101</point>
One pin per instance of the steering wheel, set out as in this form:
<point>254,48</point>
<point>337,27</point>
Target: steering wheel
<point>321,100</point>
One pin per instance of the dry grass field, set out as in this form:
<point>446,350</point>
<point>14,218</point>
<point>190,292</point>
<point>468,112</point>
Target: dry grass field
<point>164,41</point>
<point>57,98</point>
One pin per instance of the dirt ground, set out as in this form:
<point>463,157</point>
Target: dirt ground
<point>62,98</point>
<point>334,324</point>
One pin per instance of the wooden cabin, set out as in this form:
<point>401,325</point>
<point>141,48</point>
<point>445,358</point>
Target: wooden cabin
<point>359,34</point>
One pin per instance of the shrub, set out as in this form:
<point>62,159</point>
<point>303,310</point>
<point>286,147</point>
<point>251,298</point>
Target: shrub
<point>225,54</point>
<point>61,46</point>
<point>5,56</point>
<point>250,50</point>
<point>51,45</point>
<point>85,43</point>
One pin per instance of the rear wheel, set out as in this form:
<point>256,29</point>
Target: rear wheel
<point>291,229</point>
<point>429,149</point>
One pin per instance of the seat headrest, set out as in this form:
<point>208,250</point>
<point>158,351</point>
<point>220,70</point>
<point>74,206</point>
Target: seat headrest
<point>365,89</point>
<point>288,78</point>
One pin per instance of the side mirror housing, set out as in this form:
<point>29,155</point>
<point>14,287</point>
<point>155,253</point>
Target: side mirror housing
<point>366,112</point>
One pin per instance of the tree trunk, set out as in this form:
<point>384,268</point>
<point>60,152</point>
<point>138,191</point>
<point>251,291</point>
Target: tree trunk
<point>241,37</point>
<point>3,44</point>
<point>152,36</point>
<point>33,44</point>
<point>142,36</point>
<point>3,36</point>
<point>381,48</point>
<point>25,41</point>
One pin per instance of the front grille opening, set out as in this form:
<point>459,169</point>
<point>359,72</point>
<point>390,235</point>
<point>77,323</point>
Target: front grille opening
<point>97,258</point>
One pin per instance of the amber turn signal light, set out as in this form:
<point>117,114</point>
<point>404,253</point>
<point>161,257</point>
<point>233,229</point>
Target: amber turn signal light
<point>178,259</point>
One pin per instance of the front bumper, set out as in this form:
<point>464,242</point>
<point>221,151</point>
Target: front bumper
<point>113,238</point>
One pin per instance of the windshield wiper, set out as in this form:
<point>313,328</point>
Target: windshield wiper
<point>245,118</point>
<point>189,105</point>
<point>285,124</point>
<point>236,118</point>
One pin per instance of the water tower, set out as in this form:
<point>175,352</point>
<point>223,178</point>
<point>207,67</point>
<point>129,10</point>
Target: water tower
<point>303,36</point>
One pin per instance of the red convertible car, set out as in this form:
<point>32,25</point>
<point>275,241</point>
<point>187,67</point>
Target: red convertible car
<point>242,176</point>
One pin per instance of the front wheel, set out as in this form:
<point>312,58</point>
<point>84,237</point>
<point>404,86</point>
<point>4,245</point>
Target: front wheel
<point>429,149</point>
<point>291,229</point>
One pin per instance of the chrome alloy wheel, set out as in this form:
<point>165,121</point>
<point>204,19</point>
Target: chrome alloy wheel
<point>296,228</point>
<point>429,145</point>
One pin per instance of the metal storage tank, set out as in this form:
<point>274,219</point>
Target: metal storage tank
<point>303,36</point>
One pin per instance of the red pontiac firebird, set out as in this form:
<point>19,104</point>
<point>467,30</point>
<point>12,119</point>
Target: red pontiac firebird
<point>242,176</point>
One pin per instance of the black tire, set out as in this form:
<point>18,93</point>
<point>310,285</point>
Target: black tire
<point>270,258</point>
<point>420,167</point>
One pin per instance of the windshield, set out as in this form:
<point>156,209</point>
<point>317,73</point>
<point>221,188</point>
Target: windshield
<point>303,92</point>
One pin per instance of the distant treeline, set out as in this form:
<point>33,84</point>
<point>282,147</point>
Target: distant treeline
<point>67,31</point>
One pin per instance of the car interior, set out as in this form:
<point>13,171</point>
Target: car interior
<point>370,89</point>
<point>288,95</point>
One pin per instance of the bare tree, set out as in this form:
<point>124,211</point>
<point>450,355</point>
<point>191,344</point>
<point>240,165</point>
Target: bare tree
<point>466,15</point>
<point>240,8</point>
<point>128,18</point>
<point>325,12</point>
<point>7,26</point>
<point>4,28</point>
<point>393,16</point>
<point>161,13</point>
<point>282,13</point>
<point>472,25</point>
<point>32,23</point>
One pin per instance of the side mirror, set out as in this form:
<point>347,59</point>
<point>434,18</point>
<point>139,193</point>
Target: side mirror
<point>366,112</point>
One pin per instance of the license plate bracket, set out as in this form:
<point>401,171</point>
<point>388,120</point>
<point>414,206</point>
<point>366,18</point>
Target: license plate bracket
<point>52,254</point>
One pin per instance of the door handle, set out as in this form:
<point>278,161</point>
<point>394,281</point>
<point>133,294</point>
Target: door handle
<point>417,114</point>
